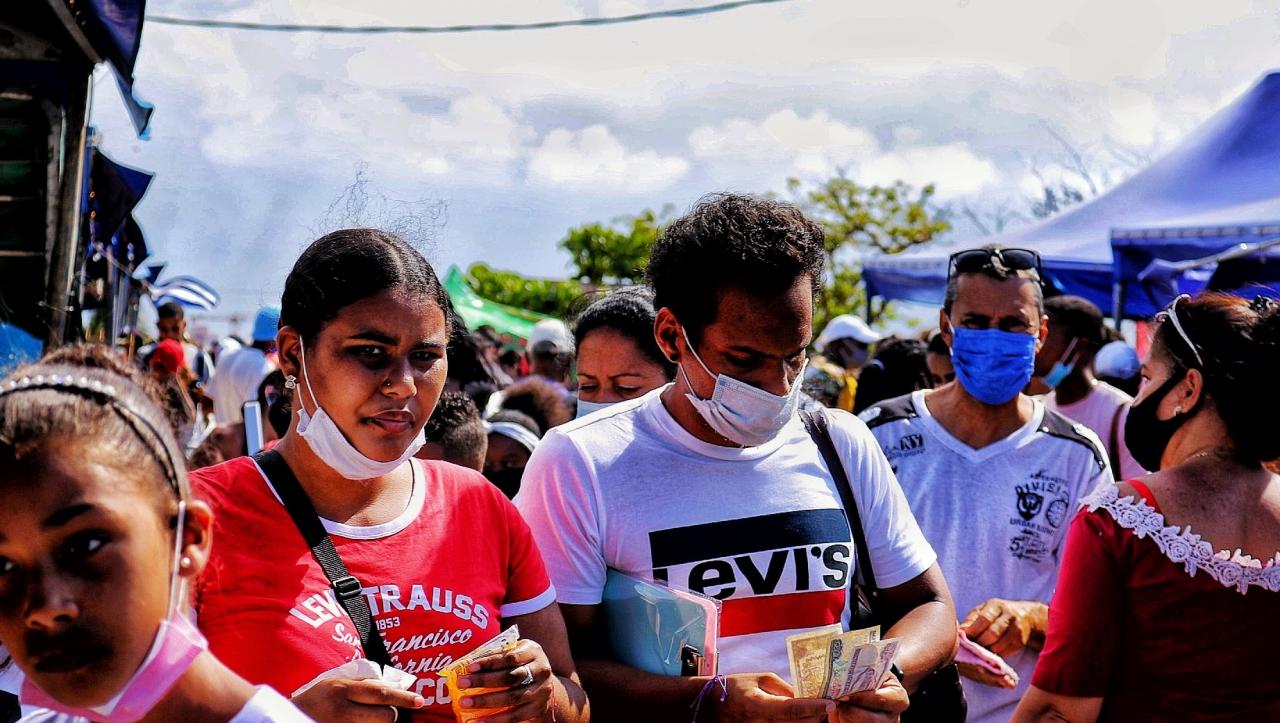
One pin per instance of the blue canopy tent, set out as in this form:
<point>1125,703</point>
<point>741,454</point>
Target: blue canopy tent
<point>1229,162</point>
<point>1235,250</point>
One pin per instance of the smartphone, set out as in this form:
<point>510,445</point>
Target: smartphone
<point>253,426</point>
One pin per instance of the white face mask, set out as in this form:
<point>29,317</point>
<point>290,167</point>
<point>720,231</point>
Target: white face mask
<point>585,407</point>
<point>331,446</point>
<point>740,412</point>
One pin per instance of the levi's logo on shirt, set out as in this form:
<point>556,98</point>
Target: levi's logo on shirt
<point>781,571</point>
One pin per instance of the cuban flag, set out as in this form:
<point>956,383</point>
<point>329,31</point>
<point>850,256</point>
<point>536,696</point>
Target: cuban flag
<point>187,291</point>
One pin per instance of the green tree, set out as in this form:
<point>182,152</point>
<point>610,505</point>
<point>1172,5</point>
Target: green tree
<point>859,219</point>
<point>558,298</point>
<point>615,254</point>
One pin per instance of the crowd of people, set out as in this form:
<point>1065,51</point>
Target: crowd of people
<point>314,523</point>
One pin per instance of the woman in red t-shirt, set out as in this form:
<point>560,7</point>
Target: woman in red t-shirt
<point>443,559</point>
<point>1152,621</point>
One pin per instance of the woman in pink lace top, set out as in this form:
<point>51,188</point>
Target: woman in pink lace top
<point>1168,599</point>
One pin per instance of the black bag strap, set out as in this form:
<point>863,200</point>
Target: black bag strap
<point>345,586</point>
<point>816,423</point>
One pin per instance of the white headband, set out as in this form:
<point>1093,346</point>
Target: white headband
<point>516,432</point>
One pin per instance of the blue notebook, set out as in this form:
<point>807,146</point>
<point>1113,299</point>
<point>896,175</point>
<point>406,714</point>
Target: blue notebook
<point>660,629</point>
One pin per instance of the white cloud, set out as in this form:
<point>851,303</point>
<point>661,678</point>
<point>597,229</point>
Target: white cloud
<point>819,145</point>
<point>593,159</point>
<point>953,167</point>
<point>784,134</point>
<point>957,93</point>
<point>1134,118</point>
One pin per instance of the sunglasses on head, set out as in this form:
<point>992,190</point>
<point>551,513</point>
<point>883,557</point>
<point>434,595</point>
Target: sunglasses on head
<point>974,261</point>
<point>1171,314</point>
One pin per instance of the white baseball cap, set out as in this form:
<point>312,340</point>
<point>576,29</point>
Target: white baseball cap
<point>846,326</point>
<point>553,331</point>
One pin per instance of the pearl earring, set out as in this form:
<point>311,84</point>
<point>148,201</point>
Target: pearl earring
<point>185,562</point>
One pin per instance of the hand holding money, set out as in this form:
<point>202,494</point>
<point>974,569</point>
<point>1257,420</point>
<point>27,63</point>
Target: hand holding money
<point>504,674</point>
<point>828,663</point>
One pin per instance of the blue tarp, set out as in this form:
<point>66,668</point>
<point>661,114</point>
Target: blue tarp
<point>1147,258</point>
<point>1230,162</point>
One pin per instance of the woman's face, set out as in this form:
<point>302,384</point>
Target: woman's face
<point>377,368</point>
<point>504,463</point>
<point>1156,369</point>
<point>84,570</point>
<point>611,368</point>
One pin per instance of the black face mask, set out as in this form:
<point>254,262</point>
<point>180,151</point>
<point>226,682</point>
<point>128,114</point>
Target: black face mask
<point>507,480</point>
<point>1146,435</point>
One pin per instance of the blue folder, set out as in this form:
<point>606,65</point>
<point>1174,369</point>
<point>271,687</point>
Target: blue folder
<point>659,629</point>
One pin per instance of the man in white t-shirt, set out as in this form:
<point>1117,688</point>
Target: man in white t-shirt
<point>992,476</point>
<point>713,485</point>
<point>1064,368</point>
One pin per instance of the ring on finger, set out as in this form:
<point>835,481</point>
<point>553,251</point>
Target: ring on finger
<point>527,679</point>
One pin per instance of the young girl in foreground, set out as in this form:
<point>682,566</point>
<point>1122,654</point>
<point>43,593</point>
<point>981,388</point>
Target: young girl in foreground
<point>98,541</point>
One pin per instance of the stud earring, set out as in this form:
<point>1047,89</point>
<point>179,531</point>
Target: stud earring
<point>185,562</point>
<point>291,382</point>
<point>1177,409</point>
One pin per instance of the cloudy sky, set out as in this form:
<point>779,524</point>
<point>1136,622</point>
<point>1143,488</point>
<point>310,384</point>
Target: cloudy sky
<point>502,141</point>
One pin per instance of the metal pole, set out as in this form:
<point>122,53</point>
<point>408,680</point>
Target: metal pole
<point>62,259</point>
<point>1117,302</point>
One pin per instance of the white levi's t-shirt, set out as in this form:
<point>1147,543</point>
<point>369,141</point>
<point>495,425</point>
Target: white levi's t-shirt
<point>760,528</point>
<point>997,516</point>
<point>1101,408</point>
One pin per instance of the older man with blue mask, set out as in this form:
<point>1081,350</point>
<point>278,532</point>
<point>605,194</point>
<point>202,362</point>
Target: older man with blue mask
<point>992,475</point>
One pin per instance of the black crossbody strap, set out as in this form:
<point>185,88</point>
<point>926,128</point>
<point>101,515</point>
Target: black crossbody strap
<point>345,586</point>
<point>816,424</point>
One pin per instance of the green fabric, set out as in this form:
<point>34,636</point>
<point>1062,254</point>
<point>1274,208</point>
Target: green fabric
<point>478,311</point>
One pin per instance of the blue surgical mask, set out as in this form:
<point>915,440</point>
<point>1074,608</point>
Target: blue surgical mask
<point>1061,369</point>
<point>585,407</point>
<point>992,365</point>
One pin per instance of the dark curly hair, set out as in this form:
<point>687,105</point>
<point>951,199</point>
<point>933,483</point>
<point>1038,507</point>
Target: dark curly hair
<point>543,403</point>
<point>1079,316</point>
<point>1239,344</point>
<point>628,311</point>
<point>761,245</point>
<point>456,425</point>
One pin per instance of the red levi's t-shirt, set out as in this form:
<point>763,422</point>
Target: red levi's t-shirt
<point>439,579</point>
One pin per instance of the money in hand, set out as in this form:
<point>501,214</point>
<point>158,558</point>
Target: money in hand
<point>860,669</point>
<point>826,663</point>
<point>808,654</point>
<point>501,643</point>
